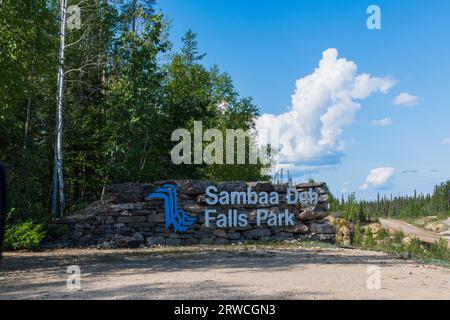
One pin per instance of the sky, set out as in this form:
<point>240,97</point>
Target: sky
<point>366,111</point>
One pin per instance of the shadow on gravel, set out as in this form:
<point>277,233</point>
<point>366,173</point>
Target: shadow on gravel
<point>43,275</point>
<point>168,262</point>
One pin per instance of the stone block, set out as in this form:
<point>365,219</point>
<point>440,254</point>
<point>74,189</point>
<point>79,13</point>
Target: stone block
<point>321,227</point>
<point>131,219</point>
<point>308,215</point>
<point>262,186</point>
<point>219,233</point>
<point>229,186</point>
<point>151,241</point>
<point>192,187</point>
<point>256,233</point>
<point>233,235</point>
<point>75,235</point>
<point>124,193</point>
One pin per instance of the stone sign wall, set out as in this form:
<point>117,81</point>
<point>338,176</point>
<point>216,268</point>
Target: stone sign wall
<point>126,219</point>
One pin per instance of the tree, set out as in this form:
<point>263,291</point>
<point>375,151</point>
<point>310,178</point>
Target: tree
<point>133,116</point>
<point>189,52</point>
<point>118,99</point>
<point>28,60</point>
<point>58,175</point>
<point>194,93</point>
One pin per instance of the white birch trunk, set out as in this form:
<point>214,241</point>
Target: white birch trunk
<point>58,174</point>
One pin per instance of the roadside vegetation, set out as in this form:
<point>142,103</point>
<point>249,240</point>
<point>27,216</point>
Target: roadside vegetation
<point>400,207</point>
<point>358,226</point>
<point>372,237</point>
<point>126,90</point>
<point>26,235</point>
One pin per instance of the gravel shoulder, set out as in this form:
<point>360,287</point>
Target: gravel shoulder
<point>412,231</point>
<point>232,272</point>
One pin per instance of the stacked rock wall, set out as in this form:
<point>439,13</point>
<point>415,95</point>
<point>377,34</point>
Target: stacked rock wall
<point>126,219</point>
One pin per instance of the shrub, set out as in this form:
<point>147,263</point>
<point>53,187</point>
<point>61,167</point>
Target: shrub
<point>394,243</point>
<point>369,241</point>
<point>382,234</point>
<point>416,248</point>
<point>398,236</point>
<point>439,250</point>
<point>25,235</point>
<point>357,237</point>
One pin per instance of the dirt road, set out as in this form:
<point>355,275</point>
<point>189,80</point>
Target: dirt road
<point>226,273</point>
<point>410,230</point>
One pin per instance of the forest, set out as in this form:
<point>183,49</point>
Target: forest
<point>97,105</point>
<point>400,207</point>
<point>82,108</point>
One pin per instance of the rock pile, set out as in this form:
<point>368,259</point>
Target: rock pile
<point>125,219</point>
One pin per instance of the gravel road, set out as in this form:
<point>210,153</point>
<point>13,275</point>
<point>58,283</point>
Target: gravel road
<point>221,273</point>
<point>411,231</point>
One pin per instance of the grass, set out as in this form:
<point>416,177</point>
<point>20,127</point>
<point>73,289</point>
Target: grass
<point>437,253</point>
<point>437,262</point>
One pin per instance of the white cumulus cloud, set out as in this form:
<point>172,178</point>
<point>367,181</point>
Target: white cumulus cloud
<point>323,104</point>
<point>446,141</point>
<point>406,99</point>
<point>365,85</point>
<point>382,122</point>
<point>379,178</point>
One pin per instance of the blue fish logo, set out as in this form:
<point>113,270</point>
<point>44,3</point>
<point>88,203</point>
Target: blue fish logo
<point>174,216</point>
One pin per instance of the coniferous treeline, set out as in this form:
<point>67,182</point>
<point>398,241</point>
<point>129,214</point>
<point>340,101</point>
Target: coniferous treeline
<point>416,205</point>
<point>125,91</point>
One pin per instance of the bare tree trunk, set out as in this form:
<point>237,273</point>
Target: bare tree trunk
<point>105,181</point>
<point>55,188</point>
<point>58,177</point>
<point>104,54</point>
<point>133,26</point>
<point>24,156</point>
<point>3,205</point>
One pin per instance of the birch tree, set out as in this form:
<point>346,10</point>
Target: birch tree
<point>58,175</point>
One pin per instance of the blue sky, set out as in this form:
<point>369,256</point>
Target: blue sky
<point>267,46</point>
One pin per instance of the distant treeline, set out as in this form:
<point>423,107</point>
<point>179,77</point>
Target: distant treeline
<point>417,205</point>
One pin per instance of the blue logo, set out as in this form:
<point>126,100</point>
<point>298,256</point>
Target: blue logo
<point>174,216</point>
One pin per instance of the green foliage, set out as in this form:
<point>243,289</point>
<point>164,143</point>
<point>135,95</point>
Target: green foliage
<point>358,234</point>
<point>125,93</point>
<point>438,252</point>
<point>27,59</point>
<point>26,235</point>
<point>351,208</point>
<point>404,207</point>
<point>189,52</point>
<point>369,240</point>
<point>398,236</point>
<point>382,234</point>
